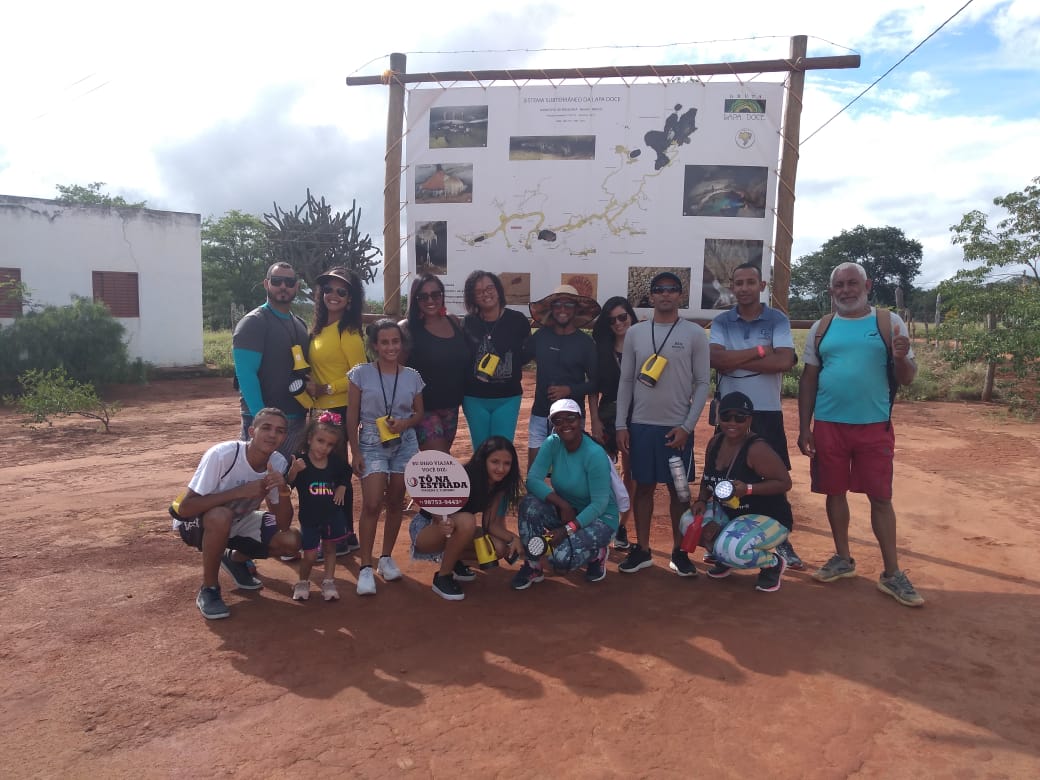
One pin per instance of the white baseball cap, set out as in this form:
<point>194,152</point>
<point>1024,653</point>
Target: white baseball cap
<point>564,405</point>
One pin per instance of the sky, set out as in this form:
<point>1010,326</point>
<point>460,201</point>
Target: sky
<point>215,106</point>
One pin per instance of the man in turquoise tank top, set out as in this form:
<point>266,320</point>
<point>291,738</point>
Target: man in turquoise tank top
<point>848,374</point>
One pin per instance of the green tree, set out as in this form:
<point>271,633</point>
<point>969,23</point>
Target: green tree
<point>312,239</point>
<point>47,394</point>
<point>993,308</point>
<point>890,259</point>
<point>91,195</point>
<point>235,257</point>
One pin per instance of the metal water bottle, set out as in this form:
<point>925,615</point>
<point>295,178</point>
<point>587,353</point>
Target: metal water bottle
<point>679,478</point>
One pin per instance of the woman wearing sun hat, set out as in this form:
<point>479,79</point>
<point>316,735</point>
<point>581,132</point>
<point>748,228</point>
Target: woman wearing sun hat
<point>565,357</point>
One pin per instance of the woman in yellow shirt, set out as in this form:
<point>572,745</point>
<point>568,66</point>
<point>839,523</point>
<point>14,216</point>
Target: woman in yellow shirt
<point>336,347</point>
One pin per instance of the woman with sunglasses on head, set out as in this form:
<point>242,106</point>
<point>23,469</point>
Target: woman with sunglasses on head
<point>493,381</point>
<point>441,354</point>
<point>336,347</point>
<point>757,515</point>
<point>609,332</point>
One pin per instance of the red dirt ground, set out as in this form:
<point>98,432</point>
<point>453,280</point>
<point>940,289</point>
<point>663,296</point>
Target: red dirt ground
<point>110,671</point>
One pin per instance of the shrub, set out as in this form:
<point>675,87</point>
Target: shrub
<point>83,338</point>
<point>47,394</point>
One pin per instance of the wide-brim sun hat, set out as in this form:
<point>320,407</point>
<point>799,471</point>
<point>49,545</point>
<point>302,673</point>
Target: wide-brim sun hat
<point>585,311</point>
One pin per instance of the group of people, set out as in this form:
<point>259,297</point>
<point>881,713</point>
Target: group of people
<point>625,399</point>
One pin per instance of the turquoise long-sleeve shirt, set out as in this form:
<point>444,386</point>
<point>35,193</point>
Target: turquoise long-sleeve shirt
<point>581,478</point>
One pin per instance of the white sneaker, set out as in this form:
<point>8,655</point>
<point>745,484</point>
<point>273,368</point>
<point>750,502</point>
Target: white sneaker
<point>301,590</point>
<point>388,569</point>
<point>328,590</point>
<point>366,582</point>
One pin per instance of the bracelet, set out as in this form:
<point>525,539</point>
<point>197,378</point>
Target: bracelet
<point>572,528</point>
<point>761,351</point>
<point>750,489</point>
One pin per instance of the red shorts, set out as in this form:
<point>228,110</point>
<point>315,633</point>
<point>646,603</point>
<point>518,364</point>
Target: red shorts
<point>856,458</point>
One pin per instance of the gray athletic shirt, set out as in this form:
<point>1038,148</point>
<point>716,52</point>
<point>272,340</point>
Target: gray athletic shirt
<point>679,396</point>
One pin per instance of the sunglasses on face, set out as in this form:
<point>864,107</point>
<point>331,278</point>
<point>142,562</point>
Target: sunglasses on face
<point>661,289</point>
<point>278,281</point>
<point>622,318</point>
<point>328,289</point>
<point>734,417</point>
<point>422,297</point>
<point>563,305</point>
<point>566,418</point>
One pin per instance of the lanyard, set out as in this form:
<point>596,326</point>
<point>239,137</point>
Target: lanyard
<point>389,405</point>
<point>666,335</point>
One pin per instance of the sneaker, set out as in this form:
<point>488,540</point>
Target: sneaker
<point>527,575</point>
<point>366,582</point>
<point>719,570</point>
<point>596,571</point>
<point>388,569</point>
<point>637,559</point>
<point>445,586</point>
<point>710,558</point>
<point>289,558</point>
<point>621,539</point>
<point>210,604</point>
<point>769,579</point>
<point>328,590</point>
<point>836,568</point>
<point>250,566</point>
<point>898,587</point>
<point>786,551</point>
<point>463,573</point>
<point>239,573</point>
<point>301,591</point>
<point>681,564</point>
<point>348,545</point>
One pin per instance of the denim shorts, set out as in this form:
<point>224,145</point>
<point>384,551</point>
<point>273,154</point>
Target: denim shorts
<point>380,459</point>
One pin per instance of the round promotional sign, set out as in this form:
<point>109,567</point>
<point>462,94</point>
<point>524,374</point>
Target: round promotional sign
<point>436,482</point>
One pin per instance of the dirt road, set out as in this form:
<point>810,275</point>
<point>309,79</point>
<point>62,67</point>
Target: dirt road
<point>109,670</point>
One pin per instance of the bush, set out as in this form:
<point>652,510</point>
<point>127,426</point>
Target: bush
<point>54,393</point>
<point>83,338</point>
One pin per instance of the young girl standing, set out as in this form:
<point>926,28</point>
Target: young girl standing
<point>494,479</point>
<point>384,407</point>
<point>322,481</point>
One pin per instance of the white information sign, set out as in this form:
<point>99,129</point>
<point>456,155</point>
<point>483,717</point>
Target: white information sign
<point>599,187</point>
<point>436,482</point>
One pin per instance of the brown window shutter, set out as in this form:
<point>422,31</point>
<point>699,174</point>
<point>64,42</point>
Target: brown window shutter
<point>118,291</point>
<point>10,294</point>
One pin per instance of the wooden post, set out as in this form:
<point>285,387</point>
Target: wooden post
<point>789,143</point>
<point>392,189</point>
<point>991,366</point>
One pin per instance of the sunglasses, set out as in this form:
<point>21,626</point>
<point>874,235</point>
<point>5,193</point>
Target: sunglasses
<point>564,305</point>
<point>622,318</point>
<point>661,289</point>
<point>734,417</point>
<point>565,418</point>
<point>328,289</point>
<point>436,295</point>
<point>278,281</point>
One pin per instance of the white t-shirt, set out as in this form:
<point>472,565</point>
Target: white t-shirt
<point>210,476</point>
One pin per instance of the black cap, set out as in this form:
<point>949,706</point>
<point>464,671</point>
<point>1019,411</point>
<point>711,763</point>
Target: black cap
<point>736,402</point>
<point>666,275</point>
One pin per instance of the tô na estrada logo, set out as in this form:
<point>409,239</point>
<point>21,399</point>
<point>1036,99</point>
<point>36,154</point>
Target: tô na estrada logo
<point>744,108</point>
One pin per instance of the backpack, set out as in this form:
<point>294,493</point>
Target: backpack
<point>190,528</point>
<point>884,326</point>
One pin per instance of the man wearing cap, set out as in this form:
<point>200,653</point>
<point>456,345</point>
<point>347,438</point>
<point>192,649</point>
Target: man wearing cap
<point>262,349</point>
<point>667,395</point>
<point>576,510</point>
<point>565,359</point>
<point>751,349</point>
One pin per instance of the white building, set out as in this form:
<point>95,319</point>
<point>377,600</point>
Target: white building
<point>146,265</point>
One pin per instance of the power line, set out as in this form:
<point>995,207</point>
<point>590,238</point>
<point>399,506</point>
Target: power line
<point>879,78</point>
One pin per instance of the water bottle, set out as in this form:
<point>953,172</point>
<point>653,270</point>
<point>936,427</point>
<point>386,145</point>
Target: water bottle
<point>679,478</point>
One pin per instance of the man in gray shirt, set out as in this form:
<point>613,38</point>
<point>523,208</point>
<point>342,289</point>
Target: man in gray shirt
<point>664,412</point>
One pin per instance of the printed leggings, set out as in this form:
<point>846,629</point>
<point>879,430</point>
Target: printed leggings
<point>536,516</point>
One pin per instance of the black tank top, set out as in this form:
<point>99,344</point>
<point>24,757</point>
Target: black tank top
<point>776,507</point>
<point>443,365</point>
